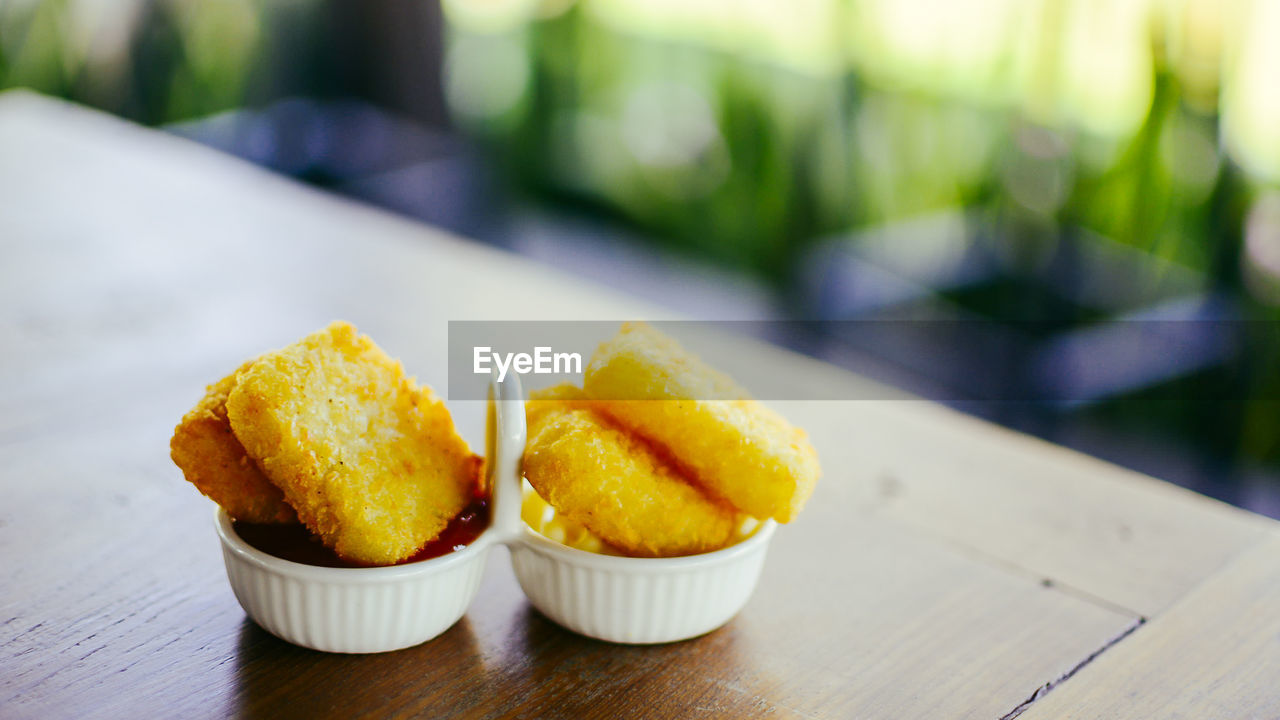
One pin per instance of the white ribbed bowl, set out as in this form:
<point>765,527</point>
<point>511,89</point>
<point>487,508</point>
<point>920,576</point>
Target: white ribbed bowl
<point>639,600</point>
<point>351,610</point>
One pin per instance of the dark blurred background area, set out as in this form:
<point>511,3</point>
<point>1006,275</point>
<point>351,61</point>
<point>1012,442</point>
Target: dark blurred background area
<point>1027,184</point>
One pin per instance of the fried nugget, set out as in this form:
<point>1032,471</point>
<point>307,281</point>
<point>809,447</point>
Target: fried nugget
<point>546,521</point>
<point>212,459</point>
<point>737,449</point>
<point>595,474</point>
<point>371,462</point>
<point>557,397</point>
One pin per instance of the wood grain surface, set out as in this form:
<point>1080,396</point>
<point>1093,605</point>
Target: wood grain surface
<point>1214,654</point>
<point>944,568</point>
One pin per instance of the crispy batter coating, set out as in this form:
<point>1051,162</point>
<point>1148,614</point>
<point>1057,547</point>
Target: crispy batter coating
<point>212,459</point>
<point>371,462</point>
<point>545,520</point>
<point>739,450</point>
<point>556,397</point>
<point>597,475</point>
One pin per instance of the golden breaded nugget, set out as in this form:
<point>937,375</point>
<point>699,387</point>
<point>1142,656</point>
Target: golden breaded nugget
<point>597,475</point>
<point>546,521</point>
<point>370,461</point>
<point>739,449</point>
<point>212,459</point>
<point>556,397</point>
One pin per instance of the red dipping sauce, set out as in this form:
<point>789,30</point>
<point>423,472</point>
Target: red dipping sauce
<point>294,542</point>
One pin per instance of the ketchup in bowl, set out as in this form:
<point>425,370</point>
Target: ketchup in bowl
<point>294,542</point>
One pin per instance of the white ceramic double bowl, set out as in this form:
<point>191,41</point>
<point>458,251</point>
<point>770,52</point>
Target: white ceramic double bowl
<point>618,599</point>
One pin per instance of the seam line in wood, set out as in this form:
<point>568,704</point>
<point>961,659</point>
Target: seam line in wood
<point>1049,686</point>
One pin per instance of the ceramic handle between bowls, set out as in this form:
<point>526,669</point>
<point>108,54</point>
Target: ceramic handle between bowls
<point>504,451</point>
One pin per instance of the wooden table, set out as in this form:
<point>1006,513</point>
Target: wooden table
<point>945,568</point>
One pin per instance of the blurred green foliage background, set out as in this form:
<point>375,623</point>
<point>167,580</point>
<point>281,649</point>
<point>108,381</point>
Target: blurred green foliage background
<point>748,129</point>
